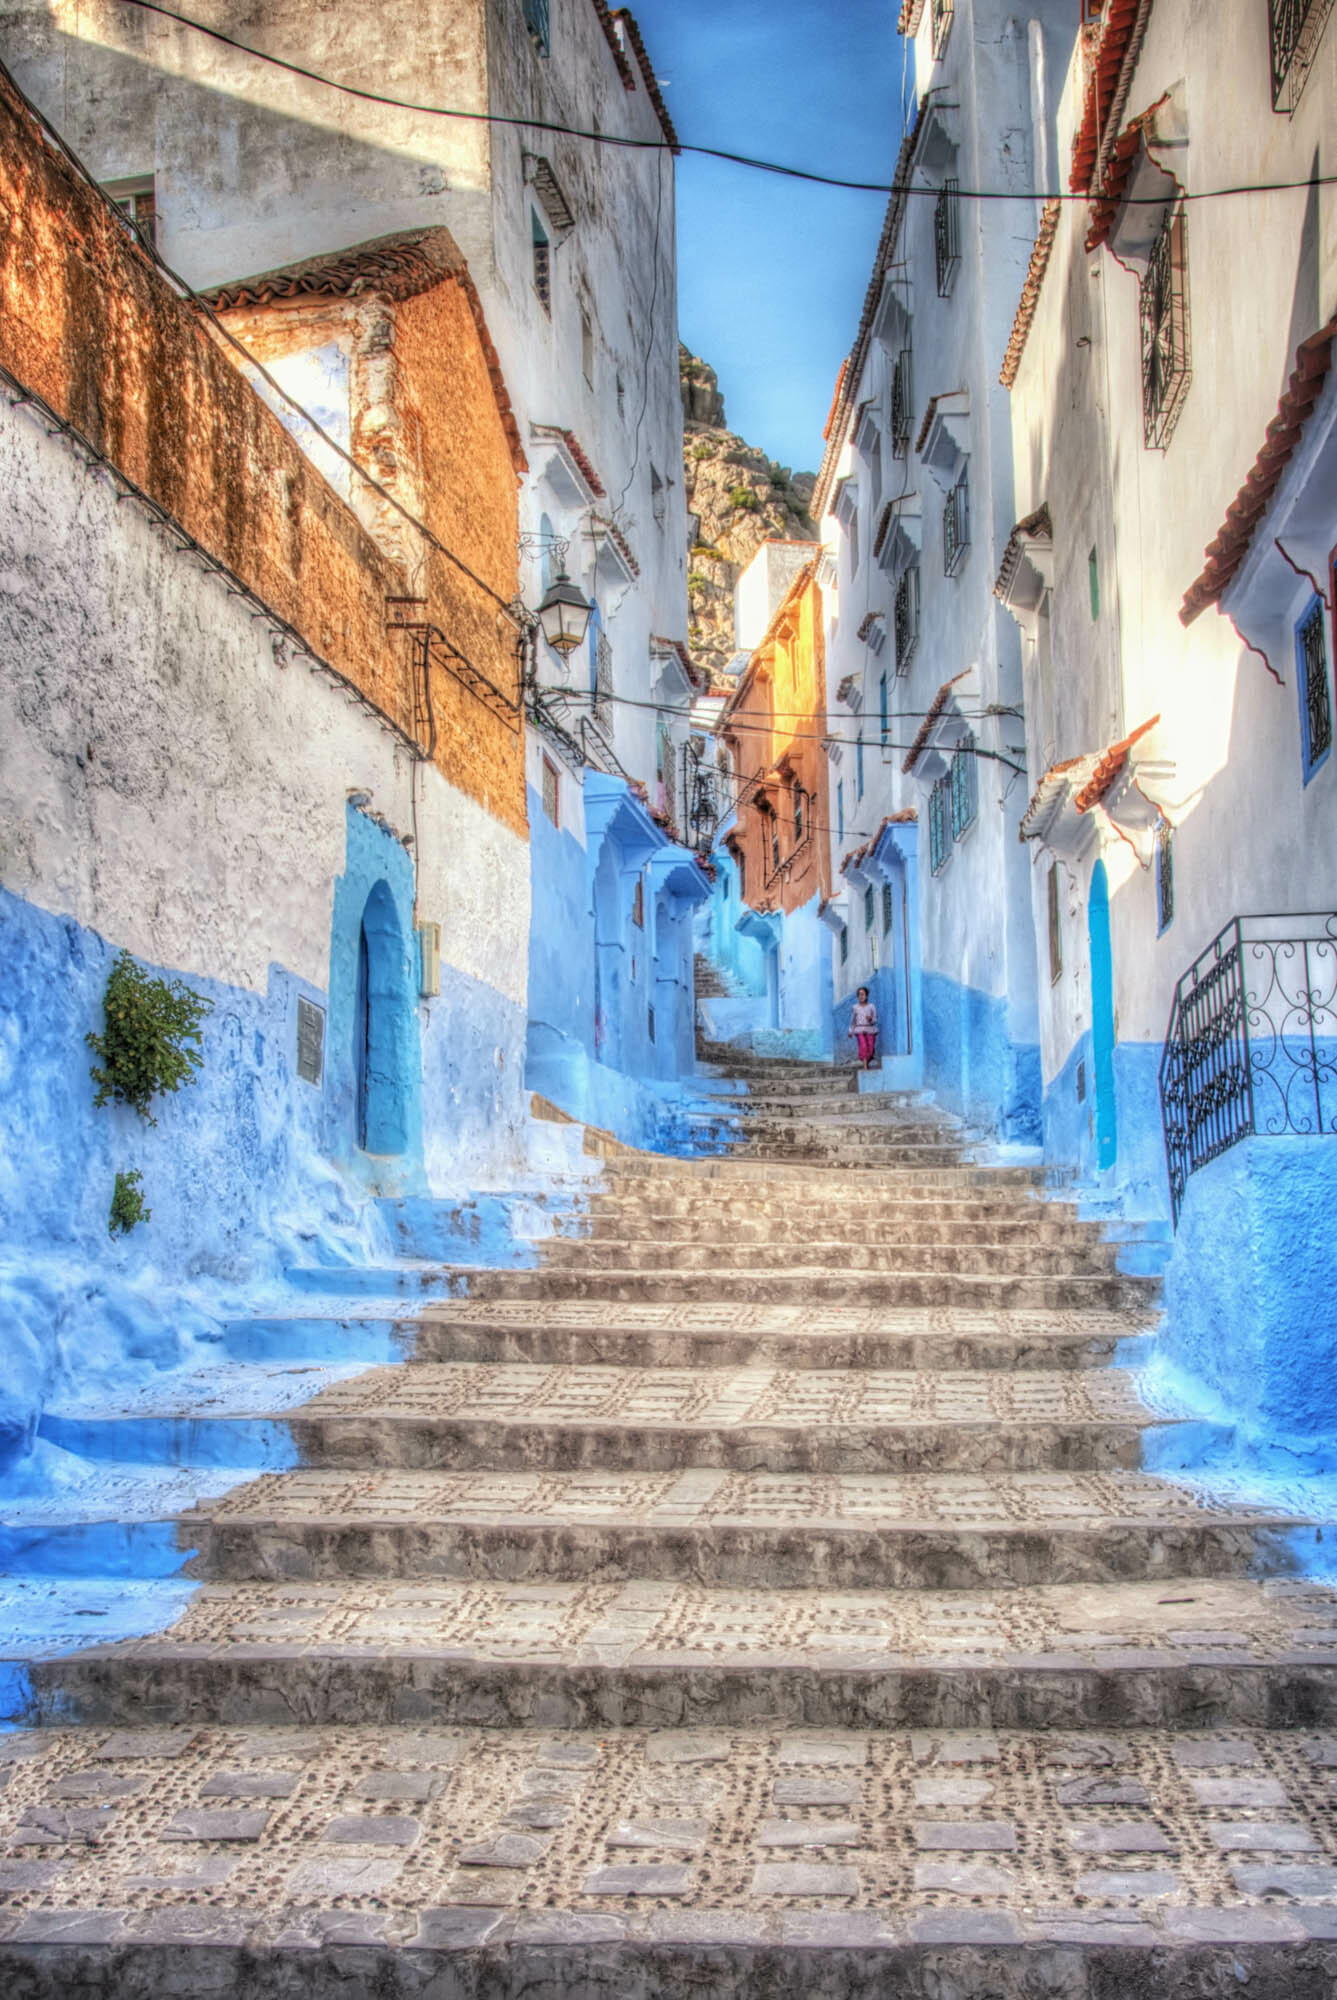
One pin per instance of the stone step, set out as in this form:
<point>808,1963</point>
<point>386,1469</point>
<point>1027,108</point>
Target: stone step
<point>763,1285</point>
<point>903,1222</point>
<point>459,1416</point>
<point>1201,1652</point>
<point>777,1531</point>
<point>650,1202</point>
<point>752,1174</point>
<point>477,1864</point>
<point>719,1253</point>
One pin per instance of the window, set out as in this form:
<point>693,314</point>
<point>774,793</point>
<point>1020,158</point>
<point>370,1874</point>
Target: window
<point>800,814</point>
<point>621,397</point>
<point>906,618</point>
<point>840,810</point>
<point>844,944</point>
<point>542,265</point>
<point>658,502</point>
<point>1295,29</point>
<point>1311,662</point>
<point>883,713</point>
<point>1093,581</point>
<point>852,539</point>
<point>965,787</point>
<point>858,767</point>
<point>638,902</point>
<point>586,347</point>
<point>770,834</point>
<point>1166,361</point>
<point>1165,874</point>
<point>1055,928</point>
<point>536,20</point>
<point>603,674</point>
<point>939,823</point>
<point>956,526</point>
<point>947,236</point>
<point>902,405</point>
<point>138,204</point>
<point>886,909</point>
<point>551,793</point>
<point>942,25</point>
<point>869,907</point>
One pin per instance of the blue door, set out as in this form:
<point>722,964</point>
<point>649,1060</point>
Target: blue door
<point>1102,1014</point>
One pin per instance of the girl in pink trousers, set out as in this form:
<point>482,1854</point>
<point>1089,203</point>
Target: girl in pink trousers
<point>863,1026</point>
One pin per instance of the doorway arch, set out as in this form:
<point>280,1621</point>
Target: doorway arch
<point>1102,1015</point>
<point>382,1019</point>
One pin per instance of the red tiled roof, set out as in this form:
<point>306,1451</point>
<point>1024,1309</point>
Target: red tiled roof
<point>907,816</point>
<point>1227,551</point>
<point>1044,798</point>
<point>883,524</point>
<point>911,10</point>
<point>1030,292</point>
<point>935,709</point>
<point>1105,64</point>
<point>1037,527</point>
<point>614,42</point>
<point>870,619</point>
<point>1106,199</point>
<point>1108,767</point>
<point>835,397</point>
<point>587,471</point>
<point>692,672</point>
<point>397,267</point>
<point>620,543</point>
<point>628,21</point>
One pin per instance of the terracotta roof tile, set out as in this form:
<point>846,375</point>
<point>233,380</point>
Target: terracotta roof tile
<point>1109,44</point>
<point>628,21</point>
<point>692,671</point>
<point>908,22</point>
<point>1108,767</point>
<point>1037,527</point>
<point>1106,199</point>
<point>1227,550</point>
<point>587,471</point>
<point>1030,292</point>
<point>907,816</point>
<point>614,41</point>
<point>867,623</point>
<point>884,522</point>
<point>935,709</point>
<point>397,267</point>
<point>841,373</point>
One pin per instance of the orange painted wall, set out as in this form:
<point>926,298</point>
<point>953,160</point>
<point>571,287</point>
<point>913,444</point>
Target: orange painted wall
<point>774,725</point>
<point>88,323</point>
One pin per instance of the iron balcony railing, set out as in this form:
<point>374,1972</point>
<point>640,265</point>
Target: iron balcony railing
<point>1167,359</point>
<point>902,405</point>
<point>1251,1049</point>
<point>942,24</point>
<point>947,235</point>
<point>956,527</point>
<point>1295,28</point>
<point>905,617</point>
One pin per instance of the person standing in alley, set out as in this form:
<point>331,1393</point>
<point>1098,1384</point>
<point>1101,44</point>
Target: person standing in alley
<point>863,1026</point>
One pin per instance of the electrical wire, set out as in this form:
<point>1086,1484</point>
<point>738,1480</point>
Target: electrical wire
<point>628,143</point>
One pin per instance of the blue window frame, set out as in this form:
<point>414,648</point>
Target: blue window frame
<point>940,823</point>
<point>1314,681</point>
<point>840,810</point>
<point>965,786</point>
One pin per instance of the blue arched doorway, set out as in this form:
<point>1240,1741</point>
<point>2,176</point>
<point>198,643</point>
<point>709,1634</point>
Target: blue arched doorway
<point>382,1022</point>
<point>1102,1014</point>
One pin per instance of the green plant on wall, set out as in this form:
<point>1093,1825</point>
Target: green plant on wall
<point>150,1040</point>
<point>743,497</point>
<point>127,1204</point>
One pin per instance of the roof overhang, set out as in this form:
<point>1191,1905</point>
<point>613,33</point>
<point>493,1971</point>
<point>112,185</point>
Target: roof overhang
<point>674,869</point>
<point>559,458</point>
<point>1107,794</point>
<point>613,812</point>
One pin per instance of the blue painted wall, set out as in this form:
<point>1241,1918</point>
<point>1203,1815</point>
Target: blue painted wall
<point>1133,1180</point>
<point>972,1065</point>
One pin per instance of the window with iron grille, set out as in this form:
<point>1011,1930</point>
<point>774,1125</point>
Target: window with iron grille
<point>1295,29</point>
<point>603,673</point>
<point>542,262</point>
<point>638,903</point>
<point>1055,927</point>
<point>906,618</point>
<point>650,1021</point>
<point>942,25</point>
<point>1166,355</point>
<point>858,767</point>
<point>883,713</point>
<point>1165,874</point>
<point>840,810</point>
<point>770,835</point>
<point>844,943</point>
<point>536,20</point>
<point>587,347</point>
<point>956,526</point>
<point>138,203</point>
<point>940,823</point>
<point>1311,660</point>
<point>902,404</point>
<point>886,909</point>
<point>800,814</point>
<point>965,787</point>
<point>947,236</point>
<point>551,790</point>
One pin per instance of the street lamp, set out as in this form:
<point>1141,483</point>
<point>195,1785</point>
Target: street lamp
<point>564,614</point>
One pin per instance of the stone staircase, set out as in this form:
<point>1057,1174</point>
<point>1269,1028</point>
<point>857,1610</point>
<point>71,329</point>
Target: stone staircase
<point>765,1591</point>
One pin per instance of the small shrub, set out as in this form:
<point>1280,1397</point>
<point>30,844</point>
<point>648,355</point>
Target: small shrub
<point>743,498</point>
<point>127,1204</point>
<point>150,1040</point>
<point>707,552</point>
<point>695,580</point>
<point>703,451</point>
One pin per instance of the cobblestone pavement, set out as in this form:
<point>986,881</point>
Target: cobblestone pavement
<point>693,1641</point>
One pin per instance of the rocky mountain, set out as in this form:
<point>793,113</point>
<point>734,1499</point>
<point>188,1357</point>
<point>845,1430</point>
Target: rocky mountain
<point>741,498</point>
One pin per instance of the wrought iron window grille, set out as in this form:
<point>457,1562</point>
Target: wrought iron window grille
<point>947,236</point>
<point>942,25</point>
<point>906,618</point>
<point>1167,359</point>
<point>603,675</point>
<point>551,790</point>
<point>1165,875</point>
<point>965,787</point>
<point>940,823</point>
<point>902,404</point>
<point>542,267</point>
<point>844,943</point>
<point>869,907</point>
<point>1295,29</point>
<point>536,20</point>
<point>956,527</point>
<point>1311,656</point>
<point>886,909</point>
<point>1251,1048</point>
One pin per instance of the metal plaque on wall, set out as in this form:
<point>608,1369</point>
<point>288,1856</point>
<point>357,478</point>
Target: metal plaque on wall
<point>310,1040</point>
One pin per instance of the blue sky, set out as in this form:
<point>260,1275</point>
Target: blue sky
<point>772,273</point>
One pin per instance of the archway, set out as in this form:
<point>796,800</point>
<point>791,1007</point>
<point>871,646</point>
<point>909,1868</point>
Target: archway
<point>1102,1014</point>
<point>382,1017</point>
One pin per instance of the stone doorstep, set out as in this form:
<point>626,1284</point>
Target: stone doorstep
<point>762,1286</point>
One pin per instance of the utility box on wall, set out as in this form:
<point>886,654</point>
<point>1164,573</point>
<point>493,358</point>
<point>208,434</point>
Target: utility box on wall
<point>429,950</point>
